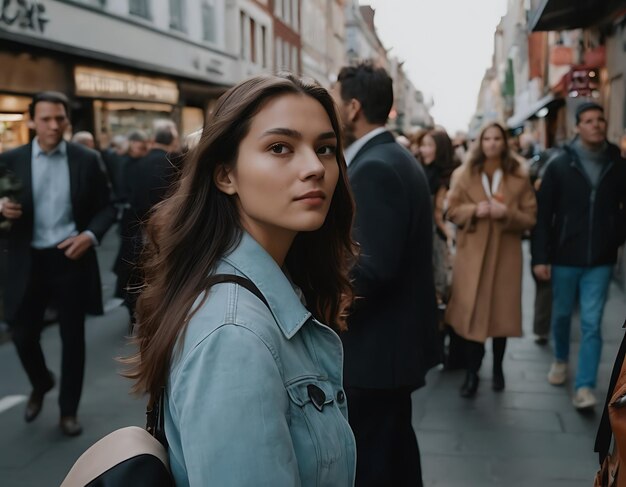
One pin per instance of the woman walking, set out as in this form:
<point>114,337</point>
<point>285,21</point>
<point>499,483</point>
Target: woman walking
<point>252,378</point>
<point>438,160</point>
<point>492,203</point>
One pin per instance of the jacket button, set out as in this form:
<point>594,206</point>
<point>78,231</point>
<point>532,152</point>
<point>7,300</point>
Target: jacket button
<point>341,397</point>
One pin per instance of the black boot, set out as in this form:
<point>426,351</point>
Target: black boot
<point>470,386</point>
<point>498,379</point>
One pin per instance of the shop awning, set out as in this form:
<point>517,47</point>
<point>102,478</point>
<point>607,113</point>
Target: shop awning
<point>548,101</point>
<point>549,15</point>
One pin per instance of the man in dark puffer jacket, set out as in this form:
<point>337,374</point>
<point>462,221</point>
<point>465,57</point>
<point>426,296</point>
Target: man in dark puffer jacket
<point>581,222</point>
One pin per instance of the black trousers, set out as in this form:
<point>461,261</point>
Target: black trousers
<point>56,278</point>
<point>475,351</point>
<point>387,450</point>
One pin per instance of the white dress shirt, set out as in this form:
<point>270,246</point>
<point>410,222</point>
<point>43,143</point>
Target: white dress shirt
<point>53,218</point>
<point>351,151</point>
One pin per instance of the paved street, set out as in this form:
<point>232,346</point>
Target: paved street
<point>529,435</point>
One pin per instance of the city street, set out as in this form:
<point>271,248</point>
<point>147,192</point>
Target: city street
<point>528,435</point>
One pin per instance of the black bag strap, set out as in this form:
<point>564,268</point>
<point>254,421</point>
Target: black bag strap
<point>603,437</point>
<point>155,419</point>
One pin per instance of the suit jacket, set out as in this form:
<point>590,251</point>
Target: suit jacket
<point>150,181</point>
<point>391,340</point>
<point>92,210</point>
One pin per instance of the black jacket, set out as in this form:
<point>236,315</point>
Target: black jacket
<point>149,181</point>
<point>578,225</point>
<point>91,207</point>
<point>391,337</point>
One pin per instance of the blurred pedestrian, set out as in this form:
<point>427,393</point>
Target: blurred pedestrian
<point>130,233</point>
<point>62,213</point>
<point>439,161</point>
<point>84,138</point>
<point>114,158</point>
<point>581,224</point>
<point>391,340</point>
<point>542,315</point>
<point>492,203</point>
<point>253,395</point>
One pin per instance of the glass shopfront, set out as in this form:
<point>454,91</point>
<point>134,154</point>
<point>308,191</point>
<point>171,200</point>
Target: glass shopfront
<point>13,121</point>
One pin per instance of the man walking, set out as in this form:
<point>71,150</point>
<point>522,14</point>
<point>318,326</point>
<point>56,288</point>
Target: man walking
<point>391,340</point>
<point>63,211</point>
<point>581,222</point>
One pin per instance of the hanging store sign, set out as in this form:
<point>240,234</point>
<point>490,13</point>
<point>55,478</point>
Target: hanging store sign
<point>26,14</point>
<point>100,83</point>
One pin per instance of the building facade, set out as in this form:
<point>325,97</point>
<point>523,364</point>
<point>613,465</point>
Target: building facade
<point>123,63</point>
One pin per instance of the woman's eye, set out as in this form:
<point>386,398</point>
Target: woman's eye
<point>279,149</point>
<point>327,150</point>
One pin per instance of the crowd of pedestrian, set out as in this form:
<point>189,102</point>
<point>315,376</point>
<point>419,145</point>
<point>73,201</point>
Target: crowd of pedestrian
<point>293,274</point>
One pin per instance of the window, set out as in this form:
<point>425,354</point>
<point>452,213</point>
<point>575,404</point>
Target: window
<point>294,15</point>
<point>294,60</point>
<point>208,20</point>
<point>287,12</point>
<point>140,8</point>
<point>263,46</point>
<point>177,15</point>
<point>252,40</point>
<point>242,31</point>
<point>279,54</point>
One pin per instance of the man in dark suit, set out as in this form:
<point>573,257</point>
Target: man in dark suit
<point>391,339</point>
<point>148,183</point>
<point>64,210</point>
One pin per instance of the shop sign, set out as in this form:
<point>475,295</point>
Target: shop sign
<point>100,83</point>
<point>26,14</point>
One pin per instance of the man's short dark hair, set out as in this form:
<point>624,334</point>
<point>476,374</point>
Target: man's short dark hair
<point>51,97</point>
<point>164,135</point>
<point>371,86</point>
<point>586,107</point>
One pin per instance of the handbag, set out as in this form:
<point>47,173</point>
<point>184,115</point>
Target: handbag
<point>613,426</point>
<point>134,456</point>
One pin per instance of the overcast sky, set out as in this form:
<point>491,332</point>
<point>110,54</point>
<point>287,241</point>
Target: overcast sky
<point>446,45</point>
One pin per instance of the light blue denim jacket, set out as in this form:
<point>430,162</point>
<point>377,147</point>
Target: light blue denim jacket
<point>238,411</point>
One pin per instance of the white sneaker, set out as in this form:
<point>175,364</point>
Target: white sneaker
<point>584,398</point>
<point>558,373</point>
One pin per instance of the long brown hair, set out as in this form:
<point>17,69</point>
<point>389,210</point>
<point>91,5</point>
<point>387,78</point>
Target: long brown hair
<point>477,158</point>
<point>197,224</point>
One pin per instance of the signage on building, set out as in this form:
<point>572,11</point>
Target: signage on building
<point>101,83</point>
<point>26,14</point>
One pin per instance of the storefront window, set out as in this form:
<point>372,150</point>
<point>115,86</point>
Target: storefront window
<point>13,122</point>
<point>120,118</point>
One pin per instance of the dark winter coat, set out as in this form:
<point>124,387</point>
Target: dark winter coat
<point>579,225</point>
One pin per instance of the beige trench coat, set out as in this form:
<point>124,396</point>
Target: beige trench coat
<point>486,299</point>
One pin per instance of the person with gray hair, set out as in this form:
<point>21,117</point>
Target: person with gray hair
<point>84,138</point>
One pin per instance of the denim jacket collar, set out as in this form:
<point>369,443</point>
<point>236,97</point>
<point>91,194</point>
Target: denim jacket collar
<point>257,265</point>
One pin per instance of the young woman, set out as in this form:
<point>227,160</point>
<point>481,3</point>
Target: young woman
<point>492,203</point>
<point>439,161</point>
<point>253,390</point>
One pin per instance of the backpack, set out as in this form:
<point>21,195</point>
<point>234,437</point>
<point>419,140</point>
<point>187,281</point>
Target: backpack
<point>613,425</point>
<point>134,456</point>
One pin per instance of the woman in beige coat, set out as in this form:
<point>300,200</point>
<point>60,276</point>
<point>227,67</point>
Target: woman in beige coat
<point>492,203</point>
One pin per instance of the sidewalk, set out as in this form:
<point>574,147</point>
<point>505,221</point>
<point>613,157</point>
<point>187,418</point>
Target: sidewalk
<point>530,434</point>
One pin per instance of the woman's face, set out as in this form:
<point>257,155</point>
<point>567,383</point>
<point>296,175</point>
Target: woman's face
<point>286,169</point>
<point>428,149</point>
<point>493,143</point>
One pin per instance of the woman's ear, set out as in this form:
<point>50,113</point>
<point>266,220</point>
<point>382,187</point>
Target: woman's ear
<point>222,178</point>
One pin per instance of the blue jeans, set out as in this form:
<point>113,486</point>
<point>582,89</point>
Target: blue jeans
<point>591,285</point>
